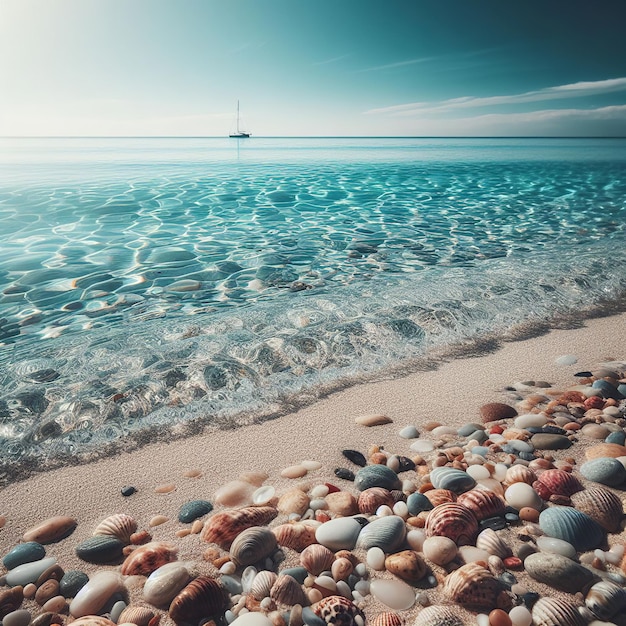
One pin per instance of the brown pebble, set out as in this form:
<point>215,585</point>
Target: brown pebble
<point>494,411</point>
<point>49,589</point>
<point>183,532</point>
<point>165,488</point>
<point>379,458</point>
<point>157,520</point>
<point>54,572</point>
<point>58,604</point>
<point>197,527</point>
<point>431,426</point>
<point>220,561</point>
<point>194,473</point>
<point>51,530</point>
<point>294,471</point>
<point>254,478</point>
<point>376,419</point>
<point>498,617</point>
<point>30,590</point>
<point>529,514</point>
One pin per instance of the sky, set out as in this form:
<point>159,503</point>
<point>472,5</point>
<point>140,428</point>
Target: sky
<point>313,67</point>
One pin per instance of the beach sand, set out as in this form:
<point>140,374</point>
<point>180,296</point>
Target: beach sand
<point>451,394</point>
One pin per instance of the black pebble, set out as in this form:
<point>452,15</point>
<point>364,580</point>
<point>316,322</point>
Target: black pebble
<point>584,374</point>
<point>530,598</point>
<point>495,523</point>
<point>355,456</point>
<point>128,490</point>
<point>507,579</point>
<point>346,474</point>
<point>405,464</point>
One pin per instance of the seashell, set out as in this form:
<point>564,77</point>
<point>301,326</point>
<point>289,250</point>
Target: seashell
<point>262,584</point>
<point>601,450</point>
<point>440,496</point>
<point>138,615</point>
<point>296,536</point>
<point>370,499</point>
<point>418,502</point>
<point>192,510</point>
<point>474,587</point>
<point>453,479</point>
<point>483,503</point>
<point>100,549</point>
<point>316,559</point>
<point>601,505</point>
<point>407,565</point>
<point>120,525</point>
<point>520,474</point>
<point>149,557</point>
<point>490,541</point>
<point>287,591</point>
<point>72,582</point>
<point>93,620</point>
<point>386,533</point>
<point>164,583</point>
<point>341,568</point>
<point>51,530</point>
<point>294,501</point>
<point>454,521</point>
<point>573,526</point>
<point>558,482</point>
<point>377,476</point>
<point>605,599</point>
<point>10,600</point>
<point>223,527</point>
<point>558,571</point>
<point>252,545</point>
<point>94,595</point>
<point>202,597</point>
<point>555,612</point>
<point>337,610</point>
<point>24,553</point>
<point>438,615</point>
<point>387,618</point>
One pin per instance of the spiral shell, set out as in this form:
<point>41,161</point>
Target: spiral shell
<point>438,615</point>
<point>139,615</point>
<point>145,559</point>
<point>440,496</point>
<point>482,503</point>
<point>605,599</point>
<point>120,525</point>
<point>520,474</point>
<point>202,597</point>
<point>316,559</point>
<point>474,587</point>
<point>387,618</point>
<point>223,527</point>
<point>455,480</point>
<point>287,591</point>
<point>554,612</point>
<point>571,525</point>
<point>601,505</point>
<point>252,545</point>
<point>370,499</point>
<point>337,610</point>
<point>262,584</point>
<point>558,482</point>
<point>454,521</point>
<point>490,541</point>
<point>296,535</point>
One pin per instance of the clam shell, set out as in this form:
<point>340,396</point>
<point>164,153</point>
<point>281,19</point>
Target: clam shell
<point>294,501</point>
<point>482,503</point>
<point>601,505</point>
<point>295,535</point>
<point>100,549</point>
<point>453,479</point>
<point>287,591</point>
<point>387,618</point>
<point>554,612</point>
<point>520,474</point>
<point>139,615</point>
<point>559,482</point>
<point>573,526</point>
<point>223,527</point>
<point>164,583</point>
<point>473,586</point>
<point>490,541</point>
<point>337,610</point>
<point>377,476</point>
<point>252,545</point>
<point>262,584</point>
<point>149,557</point>
<point>605,599</point>
<point>93,620</point>
<point>440,496</point>
<point>316,559</point>
<point>202,597</point>
<point>119,525</point>
<point>407,565</point>
<point>438,615</point>
<point>370,499</point>
<point>454,521</point>
<point>386,533</point>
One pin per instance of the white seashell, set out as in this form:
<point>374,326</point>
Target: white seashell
<point>263,495</point>
<point>165,583</point>
<point>556,612</point>
<point>120,525</point>
<point>438,615</point>
<point>606,599</point>
<point>94,595</point>
<point>262,584</point>
<point>490,541</point>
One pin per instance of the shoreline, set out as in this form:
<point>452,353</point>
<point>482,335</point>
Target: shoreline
<point>451,394</point>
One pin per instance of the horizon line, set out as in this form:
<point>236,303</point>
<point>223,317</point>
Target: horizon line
<point>314,137</point>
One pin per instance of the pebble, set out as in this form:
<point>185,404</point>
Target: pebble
<point>51,530</point>
<point>194,509</point>
<point>339,534</point>
<point>294,471</point>
<point>520,616</point>
<point>24,553</point>
<point>604,470</point>
<point>558,572</point>
<point>439,550</point>
<point>128,490</point>
<point>234,493</point>
<point>21,617</point>
<point>100,549</point>
<point>394,594</point>
<point>28,572</point>
<point>358,458</point>
<point>157,520</point>
<point>345,474</point>
<point>566,359</point>
<point>547,441</point>
<point>522,495</point>
<point>373,420</point>
<point>93,596</point>
<point>72,582</point>
<point>165,488</point>
<point>556,546</point>
<point>409,432</point>
<point>422,446</point>
<point>495,411</point>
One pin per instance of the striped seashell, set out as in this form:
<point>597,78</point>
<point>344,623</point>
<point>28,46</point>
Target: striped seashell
<point>145,559</point>
<point>316,559</point>
<point>554,612</point>
<point>293,501</point>
<point>606,599</point>
<point>571,525</point>
<point>370,499</point>
<point>438,615</point>
<point>223,527</point>
<point>474,587</point>
<point>612,450</point>
<point>558,482</point>
<point>482,503</point>
<point>601,505</point>
<point>287,591</point>
<point>120,525</point>
<point>139,615</point>
<point>440,496</point>
<point>296,535</point>
<point>93,620</point>
<point>520,474</point>
<point>387,618</point>
<point>337,610</point>
<point>262,584</point>
<point>252,545</point>
<point>454,521</point>
<point>490,541</point>
<point>202,597</point>
<point>455,480</point>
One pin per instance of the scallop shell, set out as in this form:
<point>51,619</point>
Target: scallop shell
<point>600,450</point>
<point>223,527</point>
<point>474,587</point>
<point>554,612</point>
<point>262,584</point>
<point>387,618</point>
<point>287,591</point>
<point>370,499</point>
<point>316,559</point>
<point>120,525</point>
<point>454,521</point>
<point>202,597</point>
<point>558,482</point>
<point>252,545</point>
<point>482,503</point>
<point>139,615</point>
<point>455,480</point>
<point>571,525</point>
<point>337,610</point>
<point>145,559</point>
<point>294,501</point>
<point>490,541</point>
<point>295,535</point>
<point>601,505</point>
<point>93,620</point>
<point>440,496</point>
<point>605,599</point>
<point>520,474</point>
<point>438,615</point>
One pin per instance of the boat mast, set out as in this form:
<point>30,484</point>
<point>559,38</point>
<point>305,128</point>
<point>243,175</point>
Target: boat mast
<point>237,116</point>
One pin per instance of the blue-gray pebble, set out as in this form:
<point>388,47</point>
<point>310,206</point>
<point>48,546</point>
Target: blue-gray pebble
<point>24,553</point>
<point>605,470</point>
<point>194,509</point>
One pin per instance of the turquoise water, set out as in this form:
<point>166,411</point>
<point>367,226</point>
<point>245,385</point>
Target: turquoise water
<point>151,285</point>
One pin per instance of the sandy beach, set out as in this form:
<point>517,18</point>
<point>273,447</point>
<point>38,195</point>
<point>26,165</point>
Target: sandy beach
<point>451,395</point>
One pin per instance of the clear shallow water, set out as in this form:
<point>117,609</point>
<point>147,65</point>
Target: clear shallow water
<point>153,284</point>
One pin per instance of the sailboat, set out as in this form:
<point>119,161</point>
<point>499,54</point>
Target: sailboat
<point>239,134</point>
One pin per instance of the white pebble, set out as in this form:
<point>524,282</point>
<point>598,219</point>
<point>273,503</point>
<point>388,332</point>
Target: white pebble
<point>499,471</point>
<point>363,587</point>
<point>266,603</point>
<point>566,359</point>
<point>408,486</point>
<point>478,471</point>
<point>443,430</point>
<point>247,576</point>
<point>409,432</point>
<point>319,491</point>
<point>311,465</point>
<point>384,511</point>
<point>599,554</point>
<point>393,463</point>
<point>520,616</point>
<point>343,589</point>
<point>361,570</point>
<point>318,504</point>
<point>422,445</point>
<point>229,568</point>
<point>415,538</point>
<point>401,509</point>
<point>482,619</point>
<point>376,559</point>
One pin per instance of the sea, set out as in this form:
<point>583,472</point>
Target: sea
<point>151,288</point>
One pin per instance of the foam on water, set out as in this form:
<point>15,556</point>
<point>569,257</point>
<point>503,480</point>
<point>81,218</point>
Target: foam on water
<point>152,287</point>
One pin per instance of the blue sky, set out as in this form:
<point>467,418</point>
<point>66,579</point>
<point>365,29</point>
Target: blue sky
<point>313,67</point>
